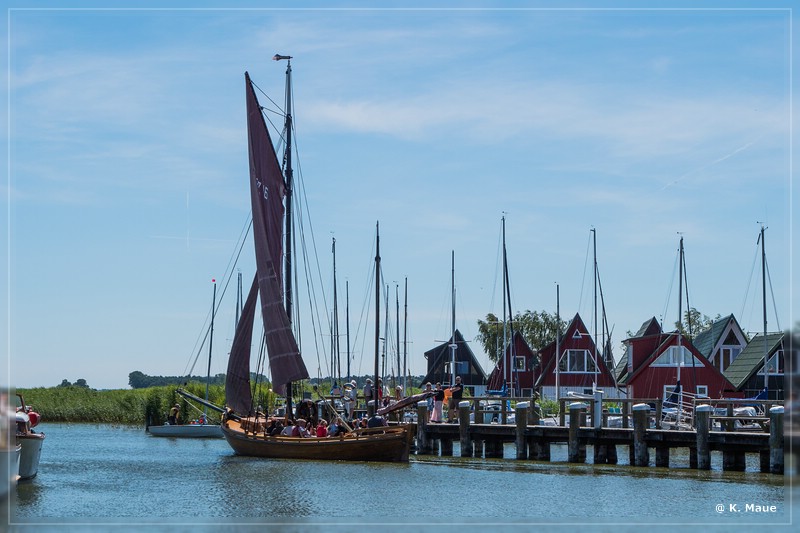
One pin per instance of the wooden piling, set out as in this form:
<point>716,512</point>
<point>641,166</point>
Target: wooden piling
<point>576,452</point>
<point>662,456</point>
<point>641,414</point>
<point>424,445</point>
<point>776,439</point>
<point>446,447</point>
<point>463,429</point>
<point>702,417</point>
<point>521,417</point>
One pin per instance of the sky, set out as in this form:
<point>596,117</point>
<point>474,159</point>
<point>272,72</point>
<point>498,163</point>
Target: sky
<point>127,165</point>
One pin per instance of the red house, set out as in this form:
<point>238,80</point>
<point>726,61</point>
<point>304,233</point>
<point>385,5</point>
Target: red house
<point>581,368</point>
<point>654,362</point>
<point>522,362</point>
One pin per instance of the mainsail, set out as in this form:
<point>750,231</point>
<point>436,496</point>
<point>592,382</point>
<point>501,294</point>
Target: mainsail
<point>237,380</point>
<point>267,192</point>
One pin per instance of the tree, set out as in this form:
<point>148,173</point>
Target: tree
<point>65,383</point>
<point>81,383</point>
<point>694,322</point>
<point>538,328</point>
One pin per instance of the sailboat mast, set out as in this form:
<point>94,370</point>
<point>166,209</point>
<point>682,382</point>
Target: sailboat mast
<point>453,346</point>
<point>594,254</point>
<point>211,339</point>
<point>347,323</point>
<point>335,355</point>
<point>377,309</point>
<point>405,338</point>
<point>288,179</point>
<point>397,320</point>
<point>558,343</point>
<point>764,307</point>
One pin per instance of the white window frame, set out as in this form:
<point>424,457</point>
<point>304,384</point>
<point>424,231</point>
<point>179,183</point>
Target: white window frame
<point>675,355</point>
<point>572,355</point>
<point>519,363</point>
<point>773,360</point>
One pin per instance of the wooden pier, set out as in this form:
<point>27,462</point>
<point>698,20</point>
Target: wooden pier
<point>533,440</point>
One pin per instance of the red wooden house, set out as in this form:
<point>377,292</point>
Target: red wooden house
<point>522,362</point>
<point>581,367</point>
<point>655,361</point>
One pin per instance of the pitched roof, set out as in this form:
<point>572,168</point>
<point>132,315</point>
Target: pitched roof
<point>705,341</point>
<point>751,359</point>
<point>649,327</point>
<point>438,356</point>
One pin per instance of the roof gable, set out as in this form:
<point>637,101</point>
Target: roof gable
<point>751,359</point>
<point>440,355</point>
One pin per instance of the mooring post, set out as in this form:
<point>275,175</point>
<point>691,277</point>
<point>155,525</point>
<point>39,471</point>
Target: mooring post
<point>576,452</point>
<point>370,408</point>
<point>423,443</point>
<point>463,429</point>
<point>521,417</point>
<point>597,410</point>
<point>776,439</point>
<point>641,414</point>
<point>702,417</point>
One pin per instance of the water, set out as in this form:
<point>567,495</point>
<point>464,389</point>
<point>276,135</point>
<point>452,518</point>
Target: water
<point>92,474</point>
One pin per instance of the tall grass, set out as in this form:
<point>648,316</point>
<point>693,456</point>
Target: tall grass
<point>120,406</point>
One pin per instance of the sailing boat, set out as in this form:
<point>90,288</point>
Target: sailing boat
<point>243,426</point>
<point>202,429</point>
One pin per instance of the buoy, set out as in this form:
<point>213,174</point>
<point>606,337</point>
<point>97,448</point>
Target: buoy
<point>34,417</point>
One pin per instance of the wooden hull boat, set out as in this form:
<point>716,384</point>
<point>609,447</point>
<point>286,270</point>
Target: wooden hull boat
<point>198,431</point>
<point>384,444</point>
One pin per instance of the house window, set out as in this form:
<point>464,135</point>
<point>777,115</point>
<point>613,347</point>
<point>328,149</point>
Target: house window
<point>527,393</point>
<point>702,391</point>
<point>675,355</point>
<point>774,364</point>
<point>519,363</point>
<point>578,361</point>
<point>727,354</point>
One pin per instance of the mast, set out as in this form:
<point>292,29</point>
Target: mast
<point>594,253</point>
<point>680,349</point>
<point>764,308</point>
<point>210,341</point>
<point>507,297</point>
<point>288,183</point>
<point>347,323</point>
<point>405,339</point>
<point>377,309</point>
<point>397,301</point>
<point>453,345</point>
<point>506,357</point>
<point>558,343</point>
<point>335,330</point>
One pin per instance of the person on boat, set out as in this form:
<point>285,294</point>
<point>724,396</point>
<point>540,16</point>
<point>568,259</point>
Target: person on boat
<point>377,421</point>
<point>333,428</point>
<point>350,398</point>
<point>276,428</point>
<point>300,429</point>
<point>383,397</point>
<point>288,429</point>
<point>368,391</point>
<point>174,417</point>
<point>438,401</point>
<point>456,393</point>
<point>322,428</point>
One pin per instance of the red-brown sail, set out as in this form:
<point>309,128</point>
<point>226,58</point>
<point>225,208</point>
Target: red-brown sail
<point>238,395</point>
<point>266,194</point>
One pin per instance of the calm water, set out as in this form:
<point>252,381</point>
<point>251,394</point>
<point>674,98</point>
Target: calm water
<point>92,474</point>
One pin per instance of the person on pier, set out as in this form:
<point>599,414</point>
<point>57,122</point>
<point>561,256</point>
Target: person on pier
<point>456,393</point>
<point>438,401</point>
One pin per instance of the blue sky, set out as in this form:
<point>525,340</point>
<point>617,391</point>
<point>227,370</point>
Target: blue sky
<point>128,169</point>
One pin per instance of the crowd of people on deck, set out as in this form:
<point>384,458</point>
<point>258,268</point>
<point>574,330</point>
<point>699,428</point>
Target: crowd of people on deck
<point>307,423</point>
